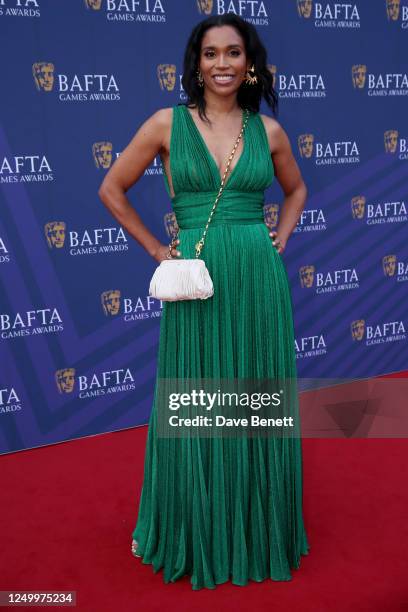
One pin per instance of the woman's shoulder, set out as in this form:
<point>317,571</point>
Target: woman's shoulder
<point>274,130</point>
<point>163,116</point>
<point>271,124</point>
<point>160,122</point>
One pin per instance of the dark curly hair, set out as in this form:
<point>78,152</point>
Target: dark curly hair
<point>248,96</point>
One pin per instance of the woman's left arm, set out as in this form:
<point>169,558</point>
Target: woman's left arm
<point>290,179</point>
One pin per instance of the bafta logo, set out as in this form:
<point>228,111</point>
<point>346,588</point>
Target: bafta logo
<point>272,70</point>
<point>306,276</point>
<point>205,6</point>
<point>358,207</point>
<point>389,264</point>
<point>55,234</point>
<point>65,380</point>
<point>305,145</point>
<point>102,154</point>
<point>170,224</point>
<point>93,4</point>
<point>304,8</point>
<point>271,215</point>
<point>166,73</point>
<point>358,75</point>
<point>357,329</point>
<point>393,8</point>
<point>110,302</point>
<point>43,73</point>
<point>390,141</point>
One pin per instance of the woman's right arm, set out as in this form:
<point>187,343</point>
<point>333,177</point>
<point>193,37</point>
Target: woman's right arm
<point>126,170</point>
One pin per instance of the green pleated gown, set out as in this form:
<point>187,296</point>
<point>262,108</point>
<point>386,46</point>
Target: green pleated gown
<point>220,509</point>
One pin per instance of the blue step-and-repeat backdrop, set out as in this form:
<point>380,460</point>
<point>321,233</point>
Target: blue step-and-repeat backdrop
<point>79,334</point>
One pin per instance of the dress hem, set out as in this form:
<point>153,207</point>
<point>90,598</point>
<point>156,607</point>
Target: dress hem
<point>303,553</point>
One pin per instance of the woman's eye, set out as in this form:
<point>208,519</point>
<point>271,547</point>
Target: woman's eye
<point>234,52</point>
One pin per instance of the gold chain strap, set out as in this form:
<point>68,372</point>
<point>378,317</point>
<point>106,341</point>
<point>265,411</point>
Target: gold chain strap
<point>199,245</point>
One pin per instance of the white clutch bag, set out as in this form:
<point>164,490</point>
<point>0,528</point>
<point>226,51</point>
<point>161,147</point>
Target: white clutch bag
<point>183,279</point>
<point>188,279</point>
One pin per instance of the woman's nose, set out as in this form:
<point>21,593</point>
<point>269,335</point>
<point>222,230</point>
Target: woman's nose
<point>222,61</point>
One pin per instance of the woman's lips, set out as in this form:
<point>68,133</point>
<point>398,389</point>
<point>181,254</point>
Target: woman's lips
<point>223,79</point>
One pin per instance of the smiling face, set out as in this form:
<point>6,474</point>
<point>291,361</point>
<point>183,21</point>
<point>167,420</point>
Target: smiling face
<point>223,61</point>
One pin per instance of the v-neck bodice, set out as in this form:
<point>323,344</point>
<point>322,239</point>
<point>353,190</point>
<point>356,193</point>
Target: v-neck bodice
<point>207,151</point>
<point>196,177</point>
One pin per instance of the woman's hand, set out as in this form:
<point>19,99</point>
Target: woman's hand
<point>162,252</point>
<point>277,242</point>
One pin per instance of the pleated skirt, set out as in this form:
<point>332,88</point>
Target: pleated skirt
<point>221,508</point>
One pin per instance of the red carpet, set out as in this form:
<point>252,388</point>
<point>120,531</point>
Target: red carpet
<point>68,511</point>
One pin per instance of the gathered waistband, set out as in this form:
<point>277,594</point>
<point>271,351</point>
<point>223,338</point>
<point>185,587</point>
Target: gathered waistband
<point>238,207</point>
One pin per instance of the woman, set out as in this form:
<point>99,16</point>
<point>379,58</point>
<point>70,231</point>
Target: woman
<point>220,508</point>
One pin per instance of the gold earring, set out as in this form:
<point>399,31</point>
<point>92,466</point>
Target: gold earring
<point>251,79</point>
<point>200,79</point>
